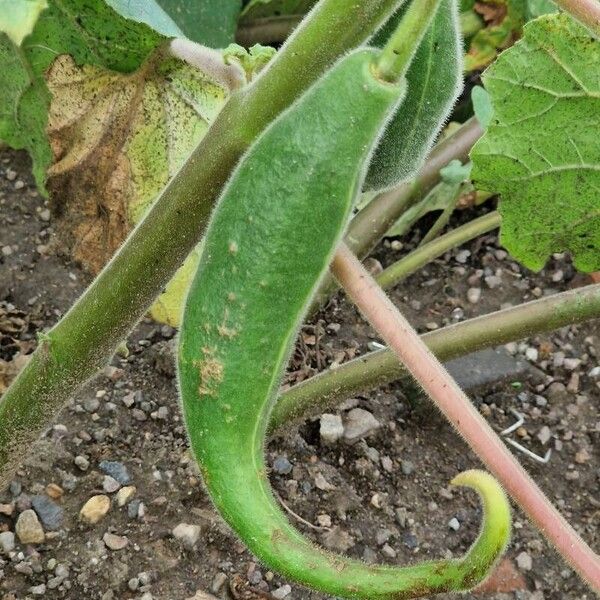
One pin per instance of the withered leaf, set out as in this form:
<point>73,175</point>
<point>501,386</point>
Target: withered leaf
<point>116,140</point>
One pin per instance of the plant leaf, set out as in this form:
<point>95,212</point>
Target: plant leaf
<point>209,22</point>
<point>443,197</point>
<point>434,82</point>
<point>117,140</point>
<point>18,18</point>
<point>148,12</point>
<point>92,33</point>
<point>541,153</point>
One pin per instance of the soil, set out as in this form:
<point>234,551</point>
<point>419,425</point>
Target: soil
<point>384,499</point>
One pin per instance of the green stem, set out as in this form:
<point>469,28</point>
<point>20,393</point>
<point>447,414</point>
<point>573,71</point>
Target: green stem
<point>381,367</point>
<point>423,255</point>
<point>586,12</point>
<point>85,339</point>
<point>398,53</point>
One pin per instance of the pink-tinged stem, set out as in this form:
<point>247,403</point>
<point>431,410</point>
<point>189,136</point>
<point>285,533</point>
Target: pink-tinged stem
<point>585,11</point>
<point>456,406</point>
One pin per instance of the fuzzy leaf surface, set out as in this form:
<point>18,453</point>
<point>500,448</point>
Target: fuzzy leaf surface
<point>541,152</point>
<point>434,82</point>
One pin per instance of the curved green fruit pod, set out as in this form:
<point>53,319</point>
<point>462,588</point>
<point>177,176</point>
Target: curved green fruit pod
<point>434,83</point>
<point>270,240</point>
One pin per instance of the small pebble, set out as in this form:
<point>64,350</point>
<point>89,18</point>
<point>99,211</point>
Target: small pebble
<point>454,524</point>
<point>38,590</point>
<point>82,463</point>
<point>54,491</point>
<point>474,295</point>
<point>7,541</point>
<point>359,423</point>
<point>282,466</point>
<point>91,405</point>
<point>493,282</point>
<point>407,467</point>
<point>29,529</point>
<point>115,542</point>
<point>218,582</point>
<point>532,354</point>
<point>282,592</point>
<point>387,464</point>
<point>117,470</point>
<point>187,534</point>
<point>331,428</point>
<point>48,511</point>
<point>462,256</point>
<point>95,509</point>
<point>125,494</point>
<point>110,484</point>
<point>133,584</point>
<point>544,435</point>
<point>595,372</point>
<point>524,562</point>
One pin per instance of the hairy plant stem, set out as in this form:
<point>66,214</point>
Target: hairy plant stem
<point>85,339</point>
<point>586,12</point>
<point>423,255</point>
<point>370,225</point>
<point>398,53</point>
<point>376,369</point>
<point>379,310</point>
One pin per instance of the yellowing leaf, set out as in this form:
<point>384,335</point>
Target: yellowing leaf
<point>169,306</point>
<point>117,139</point>
<point>18,17</point>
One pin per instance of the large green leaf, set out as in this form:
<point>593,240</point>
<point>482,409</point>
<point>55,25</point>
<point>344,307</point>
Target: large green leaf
<point>541,152</point>
<point>18,17</point>
<point>92,33</point>
<point>434,82</point>
<point>209,22</point>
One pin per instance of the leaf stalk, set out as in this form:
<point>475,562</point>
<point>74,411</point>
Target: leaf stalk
<point>381,367</point>
<point>423,255</point>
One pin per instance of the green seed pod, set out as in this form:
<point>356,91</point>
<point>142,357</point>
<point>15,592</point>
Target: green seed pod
<point>434,83</point>
<point>271,238</point>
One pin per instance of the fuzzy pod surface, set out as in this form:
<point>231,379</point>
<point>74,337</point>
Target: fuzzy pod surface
<point>434,82</point>
<point>270,240</point>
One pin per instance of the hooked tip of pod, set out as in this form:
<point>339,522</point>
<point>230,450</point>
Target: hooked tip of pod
<point>481,481</point>
<point>492,494</point>
<point>496,527</point>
